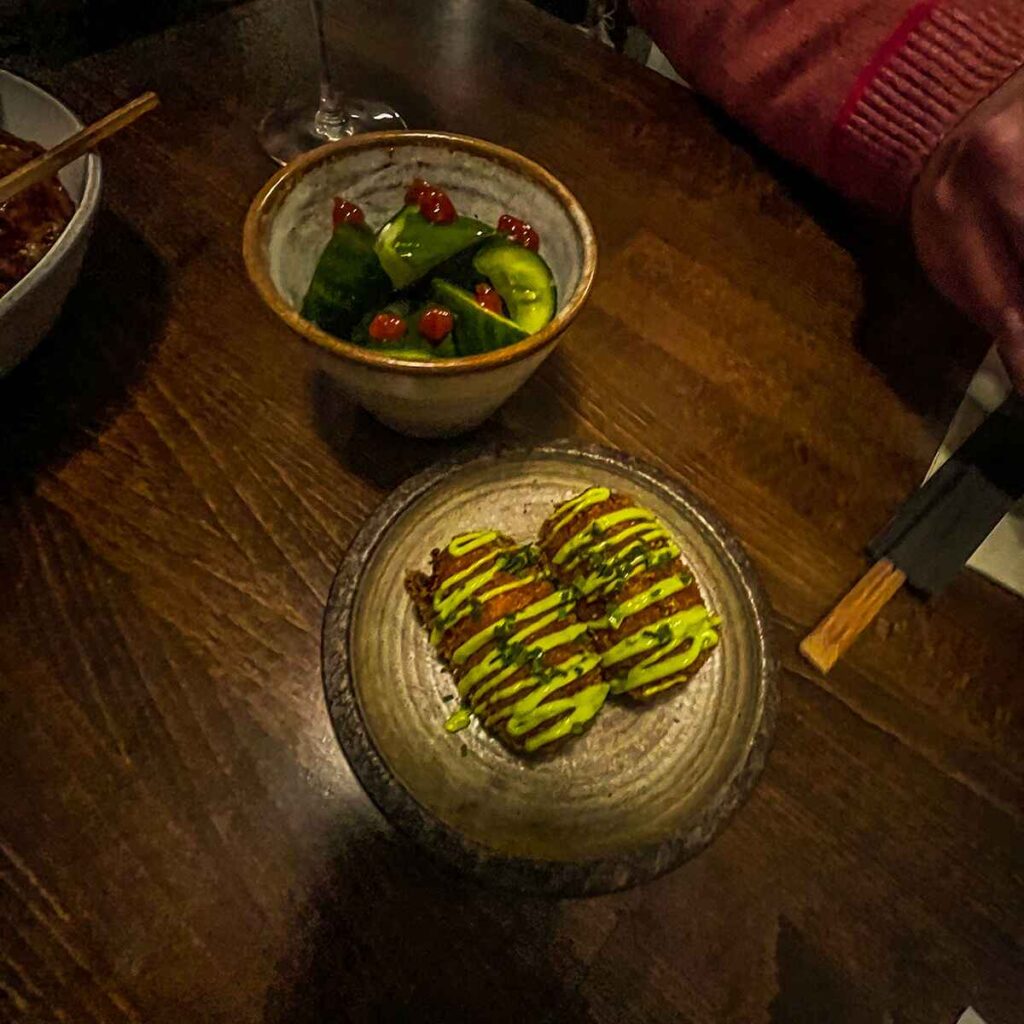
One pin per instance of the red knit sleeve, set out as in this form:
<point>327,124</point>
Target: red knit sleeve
<point>859,91</point>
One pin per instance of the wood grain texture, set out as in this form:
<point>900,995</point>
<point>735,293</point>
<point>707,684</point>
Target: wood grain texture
<point>856,611</point>
<point>180,838</point>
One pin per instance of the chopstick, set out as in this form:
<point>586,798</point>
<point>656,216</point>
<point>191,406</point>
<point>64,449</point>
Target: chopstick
<point>934,532</point>
<point>47,164</point>
<point>832,637</point>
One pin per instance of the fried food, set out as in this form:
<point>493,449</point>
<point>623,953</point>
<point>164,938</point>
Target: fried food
<point>643,605</point>
<point>522,660</point>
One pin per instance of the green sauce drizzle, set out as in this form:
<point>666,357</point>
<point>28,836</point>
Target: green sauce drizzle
<point>606,559</point>
<point>613,573</point>
<point>605,554</point>
<point>650,670</point>
<point>664,635</point>
<point>599,527</point>
<point>514,653</point>
<point>517,647</point>
<point>570,508</point>
<point>594,553</point>
<point>446,607</point>
<point>463,573</point>
<point>531,611</point>
<point>487,696</point>
<point>529,712</point>
<point>454,598</point>
<point>466,542</point>
<point>582,707</point>
<point>443,626</point>
<point>458,720</point>
<point>638,602</point>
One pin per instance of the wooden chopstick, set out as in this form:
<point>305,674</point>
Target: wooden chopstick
<point>832,637</point>
<point>47,164</point>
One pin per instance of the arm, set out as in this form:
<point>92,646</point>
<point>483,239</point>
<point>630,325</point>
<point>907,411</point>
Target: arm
<point>968,219</point>
<point>859,91</point>
<point>882,99</point>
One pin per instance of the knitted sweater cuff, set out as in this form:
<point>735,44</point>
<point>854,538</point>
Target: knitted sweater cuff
<point>933,70</point>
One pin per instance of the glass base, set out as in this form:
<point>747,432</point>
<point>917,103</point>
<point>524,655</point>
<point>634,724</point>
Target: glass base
<point>296,128</point>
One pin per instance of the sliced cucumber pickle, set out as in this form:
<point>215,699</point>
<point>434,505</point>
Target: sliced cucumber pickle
<point>410,246</point>
<point>477,329</point>
<point>348,281</point>
<point>522,279</point>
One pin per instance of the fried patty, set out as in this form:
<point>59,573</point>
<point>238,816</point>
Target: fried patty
<point>648,565</point>
<point>507,581</point>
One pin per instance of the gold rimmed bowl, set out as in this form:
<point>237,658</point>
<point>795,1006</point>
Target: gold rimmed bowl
<point>288,225</point>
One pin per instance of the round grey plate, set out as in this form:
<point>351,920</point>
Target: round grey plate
<point>641,791</point>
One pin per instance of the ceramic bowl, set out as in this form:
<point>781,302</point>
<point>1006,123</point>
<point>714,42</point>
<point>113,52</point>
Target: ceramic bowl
<point>29,309</point>
<point>289,223</point>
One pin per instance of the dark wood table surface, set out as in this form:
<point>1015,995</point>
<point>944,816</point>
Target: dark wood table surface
<point>180,837</point>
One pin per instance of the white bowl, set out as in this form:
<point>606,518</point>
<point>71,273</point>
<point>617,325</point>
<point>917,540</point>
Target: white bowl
<point>289,224</point>
<point>29,309</point>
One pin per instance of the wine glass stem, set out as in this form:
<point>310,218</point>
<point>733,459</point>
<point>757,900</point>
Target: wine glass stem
<point>330,121</point>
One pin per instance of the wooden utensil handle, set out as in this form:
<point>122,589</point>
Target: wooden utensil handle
<point>832,637</point>
<point>47,164</point>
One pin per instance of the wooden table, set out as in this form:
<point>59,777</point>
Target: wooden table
<point>181,839</point>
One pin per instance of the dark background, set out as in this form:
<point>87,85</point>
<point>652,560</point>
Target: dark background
<point>56,31</point>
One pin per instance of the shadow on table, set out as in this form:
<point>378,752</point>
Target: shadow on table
<point>811,989</point>
<point>384,458</point>
<point>391,936</point>
<point>81,374</point>
<point>925,348</point>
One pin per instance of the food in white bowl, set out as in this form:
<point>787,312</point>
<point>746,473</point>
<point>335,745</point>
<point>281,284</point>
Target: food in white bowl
<point>32,220</point>
<point>430,284</point>
<point>41,257</point>
<point>417,388</point>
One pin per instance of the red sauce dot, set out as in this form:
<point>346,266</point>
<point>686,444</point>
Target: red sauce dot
<point>418,188</point>
<point>436,324</point>
<point>487,297</point>
<point>387,327</point>
<point>519,231</point>
<point>434,203</point>
<point>345,212</point>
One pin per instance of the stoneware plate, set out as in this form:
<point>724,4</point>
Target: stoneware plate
<point>641,791</point>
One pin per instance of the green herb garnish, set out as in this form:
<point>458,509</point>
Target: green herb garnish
<point>519,561</point>
<point>505,628</point>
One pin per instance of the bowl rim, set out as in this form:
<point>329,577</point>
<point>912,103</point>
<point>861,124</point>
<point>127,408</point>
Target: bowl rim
<point>272,194</point>
<point>85,208</point>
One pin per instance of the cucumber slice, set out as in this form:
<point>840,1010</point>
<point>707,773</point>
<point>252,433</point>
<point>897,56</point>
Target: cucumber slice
<point>476,329</point>
<point>522,279</point>
<point>410,246</point>
<point>457,270</point>
<point>347,282</point>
